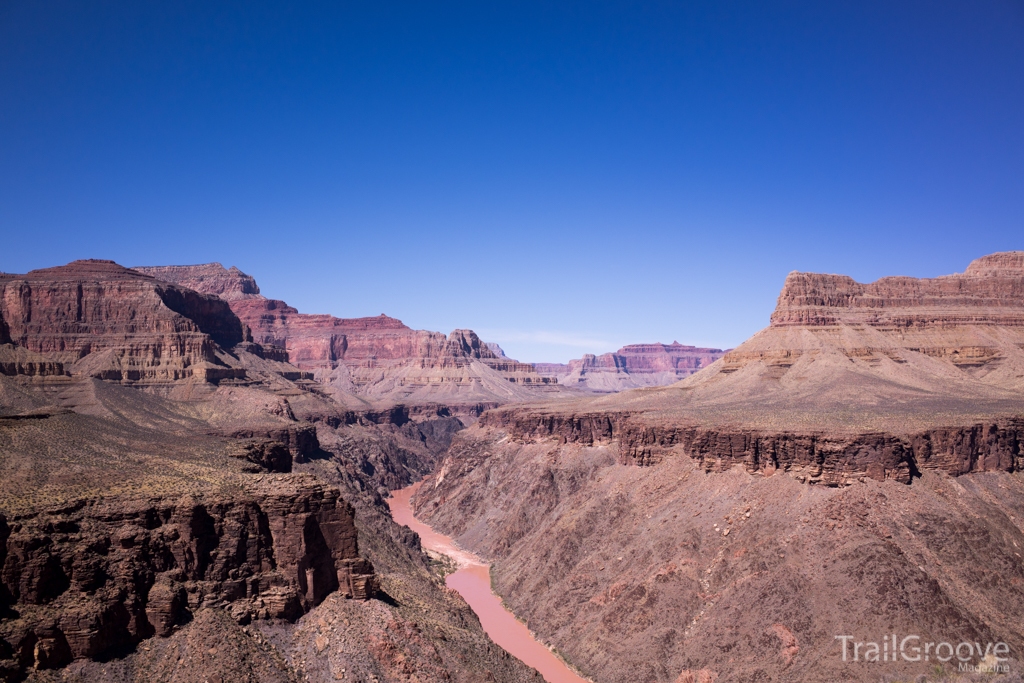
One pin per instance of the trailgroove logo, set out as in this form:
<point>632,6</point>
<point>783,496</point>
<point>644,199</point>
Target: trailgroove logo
<point>973,657</point>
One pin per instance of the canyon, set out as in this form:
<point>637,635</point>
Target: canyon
<point>196,485</point>
<point>855,467</point>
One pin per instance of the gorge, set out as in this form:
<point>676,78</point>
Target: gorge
<point>198,480</point>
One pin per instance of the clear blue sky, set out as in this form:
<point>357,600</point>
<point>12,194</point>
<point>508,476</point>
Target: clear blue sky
<point>562,177</point>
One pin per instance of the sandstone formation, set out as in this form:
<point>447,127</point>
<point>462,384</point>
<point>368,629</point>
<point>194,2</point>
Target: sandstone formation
<point>632,366</point>
<point>99,319</point>
<point>369,361</point>
<point>853,468</point>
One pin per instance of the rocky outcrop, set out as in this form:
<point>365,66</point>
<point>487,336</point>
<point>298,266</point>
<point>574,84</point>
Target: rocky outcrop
<point>300,440</point>
<point>229,284</point>
<point>15,360</point>
<point>374,358</point>
<point>94,577</point>
<point>99,319</point>
<point>632,366</point>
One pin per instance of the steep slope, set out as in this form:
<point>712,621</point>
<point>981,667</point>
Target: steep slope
<point>632,366</point>
<point>675,534</point>
<point>379,359</point>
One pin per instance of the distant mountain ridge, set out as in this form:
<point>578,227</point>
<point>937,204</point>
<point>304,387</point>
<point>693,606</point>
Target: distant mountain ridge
<point>632,366</point>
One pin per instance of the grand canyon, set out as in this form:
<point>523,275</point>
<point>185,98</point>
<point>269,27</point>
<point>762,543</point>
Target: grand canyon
<point>196,482</point>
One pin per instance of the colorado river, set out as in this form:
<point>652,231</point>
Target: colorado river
<point>473,582</point>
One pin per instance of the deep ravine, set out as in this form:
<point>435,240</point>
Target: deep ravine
<point>473,582</point>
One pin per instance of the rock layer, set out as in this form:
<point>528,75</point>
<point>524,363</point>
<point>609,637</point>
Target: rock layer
<point>821,457</point>
<point>102,320</point>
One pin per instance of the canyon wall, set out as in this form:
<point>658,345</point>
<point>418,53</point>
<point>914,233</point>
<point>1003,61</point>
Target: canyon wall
<point>675,571</point>
<point>832,459</point>
<point>164,475</point>
<point>95,576</point>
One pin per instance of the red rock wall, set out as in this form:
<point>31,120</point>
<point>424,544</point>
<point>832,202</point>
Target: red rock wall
<point>816,458</point>
<point>147,329</point>
<point>95,576</point>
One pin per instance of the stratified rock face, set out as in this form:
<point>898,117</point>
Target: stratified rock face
<point>632,366</point>
<point>229,284</point>
<point>956,336</point>
<point>376,358</point>
<point>989,292</point>
<point>95,576</point>
<point>815,457</point>
<point>103,320</point>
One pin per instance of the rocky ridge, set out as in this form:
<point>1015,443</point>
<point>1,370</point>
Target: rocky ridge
<point>98,319</point>
<point>368,360</point>
<point>96,576</point>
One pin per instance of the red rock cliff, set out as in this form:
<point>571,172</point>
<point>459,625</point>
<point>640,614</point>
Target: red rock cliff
<point>96,576</point>
<point>114,323</point>
<point>990,292</point>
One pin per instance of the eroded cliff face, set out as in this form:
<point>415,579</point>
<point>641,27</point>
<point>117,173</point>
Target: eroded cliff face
<point>832,459</point>
<point>97,576</point>
<point>102,320</point>
<point>376,359</point>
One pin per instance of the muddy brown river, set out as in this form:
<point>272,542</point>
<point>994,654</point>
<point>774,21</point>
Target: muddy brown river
<point>473,582</point>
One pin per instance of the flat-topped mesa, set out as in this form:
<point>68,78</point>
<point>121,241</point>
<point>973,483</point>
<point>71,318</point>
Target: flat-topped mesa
<point>678,359</point>
<point>99,319</point>
<point>632,366</point>
<point>376,357</point>
<point>989,292</point>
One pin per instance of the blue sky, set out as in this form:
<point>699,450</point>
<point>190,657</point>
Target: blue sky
<point>561,177</point>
